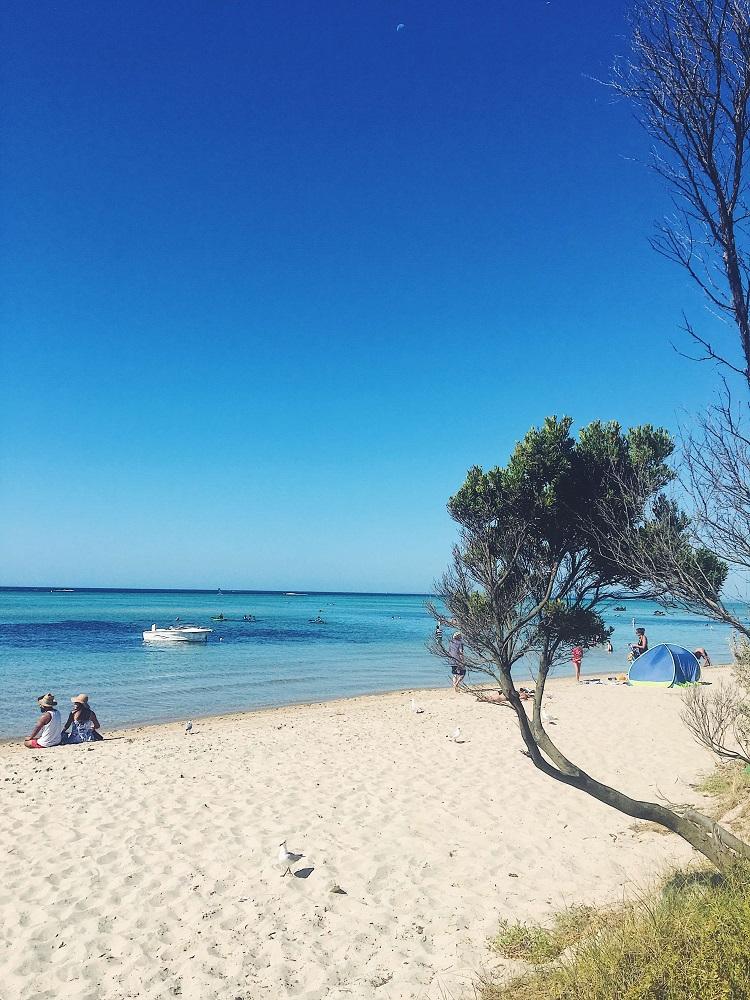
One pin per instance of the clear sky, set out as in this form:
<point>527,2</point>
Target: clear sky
<point>275,274</point>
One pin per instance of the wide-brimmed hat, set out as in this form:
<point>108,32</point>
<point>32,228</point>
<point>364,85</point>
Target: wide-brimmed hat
<point>47,701</point>
<point>80,699</point>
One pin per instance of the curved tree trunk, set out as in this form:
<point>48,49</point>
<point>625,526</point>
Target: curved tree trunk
<point>714,842</point>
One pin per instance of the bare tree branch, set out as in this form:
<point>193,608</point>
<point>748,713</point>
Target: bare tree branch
<point>688,76</point>
<point>714,719</point>
<point>716,476</point>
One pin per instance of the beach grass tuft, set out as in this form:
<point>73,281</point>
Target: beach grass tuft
<point>687,941</point>
<point>727,781</point>
<point>538,944</point>
<point>729,786</point>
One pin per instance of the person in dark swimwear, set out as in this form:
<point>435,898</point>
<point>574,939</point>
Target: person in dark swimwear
<point>639,647</point>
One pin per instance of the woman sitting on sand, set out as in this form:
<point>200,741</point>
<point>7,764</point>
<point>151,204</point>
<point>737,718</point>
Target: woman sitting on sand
<point>82,722</point>
<point>46,733</point>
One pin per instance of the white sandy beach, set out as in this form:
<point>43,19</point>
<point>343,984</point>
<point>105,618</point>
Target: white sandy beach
<point>146,866</point>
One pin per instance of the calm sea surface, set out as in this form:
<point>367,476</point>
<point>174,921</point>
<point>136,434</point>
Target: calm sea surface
<point>68,642</point>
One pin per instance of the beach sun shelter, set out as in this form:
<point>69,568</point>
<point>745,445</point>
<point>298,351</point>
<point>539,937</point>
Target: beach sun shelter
<point>666,665</point>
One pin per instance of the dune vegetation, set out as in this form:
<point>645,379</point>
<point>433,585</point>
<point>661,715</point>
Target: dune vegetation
<point>685,940</point>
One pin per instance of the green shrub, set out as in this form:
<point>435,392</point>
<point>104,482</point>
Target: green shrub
<point>690,941</point>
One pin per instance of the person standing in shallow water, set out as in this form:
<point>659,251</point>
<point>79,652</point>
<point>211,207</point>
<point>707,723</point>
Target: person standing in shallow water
<point>456,653</point>
<point>48,730</point>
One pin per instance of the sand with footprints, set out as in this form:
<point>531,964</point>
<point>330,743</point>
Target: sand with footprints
<point>148,866</point>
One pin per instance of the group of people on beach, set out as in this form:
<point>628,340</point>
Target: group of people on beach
<point>640,646</point>
<point>637,648</point>
<point>82,725</point>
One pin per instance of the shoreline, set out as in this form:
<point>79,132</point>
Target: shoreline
<point>263,710</point>
<point>155,724</point>
<point>132,727</point>
<point>245,713</point>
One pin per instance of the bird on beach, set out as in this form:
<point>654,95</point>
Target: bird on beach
<point>546,718</point>
<point>415,708</point>
<point>188,727</point>
<point>456,734</point>
<point>287,858</point>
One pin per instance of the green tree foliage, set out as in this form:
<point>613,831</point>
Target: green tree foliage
<point>535,564</point>
<point>531,570</point>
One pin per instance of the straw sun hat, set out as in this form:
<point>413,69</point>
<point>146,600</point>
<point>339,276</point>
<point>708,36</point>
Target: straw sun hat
<point>80,699</point>
<point>47,701</point>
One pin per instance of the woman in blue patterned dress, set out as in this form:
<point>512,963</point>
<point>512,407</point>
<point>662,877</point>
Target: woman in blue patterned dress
<point>82,722</point>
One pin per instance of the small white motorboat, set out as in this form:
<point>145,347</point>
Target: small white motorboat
<point>177,633</point>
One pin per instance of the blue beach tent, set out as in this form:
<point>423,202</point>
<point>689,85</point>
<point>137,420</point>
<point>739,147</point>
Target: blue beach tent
<point>666,665</point>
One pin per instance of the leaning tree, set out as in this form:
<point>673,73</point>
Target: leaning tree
<point>529,578</point>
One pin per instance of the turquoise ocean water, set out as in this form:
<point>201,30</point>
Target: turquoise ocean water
<point>85,640</point>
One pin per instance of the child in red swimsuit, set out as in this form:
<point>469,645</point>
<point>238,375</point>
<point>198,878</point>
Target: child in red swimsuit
<point>577,657</point>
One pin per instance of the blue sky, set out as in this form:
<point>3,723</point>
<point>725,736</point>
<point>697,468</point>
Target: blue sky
<point>275,274</point>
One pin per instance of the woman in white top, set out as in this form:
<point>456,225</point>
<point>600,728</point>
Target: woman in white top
<point>48,730</point>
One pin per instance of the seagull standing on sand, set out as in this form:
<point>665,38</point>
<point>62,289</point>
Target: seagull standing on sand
<point>188,727</point>
<point>415,708</point>
<point>287,858</point>
<point>456,734</point>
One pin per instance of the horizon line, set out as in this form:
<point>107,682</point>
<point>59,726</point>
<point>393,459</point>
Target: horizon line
<point>48,588</point>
